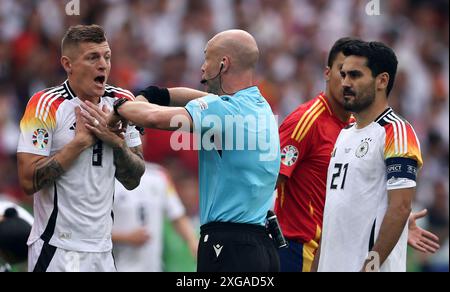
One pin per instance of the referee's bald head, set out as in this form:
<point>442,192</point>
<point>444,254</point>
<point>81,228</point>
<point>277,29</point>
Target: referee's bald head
<point>239,45</point>
<point>78,34</point>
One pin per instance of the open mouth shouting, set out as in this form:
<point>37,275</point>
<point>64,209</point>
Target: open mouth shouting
<point>100,81</point>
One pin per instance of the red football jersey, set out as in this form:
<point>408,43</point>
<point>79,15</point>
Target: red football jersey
<point>307,139</point>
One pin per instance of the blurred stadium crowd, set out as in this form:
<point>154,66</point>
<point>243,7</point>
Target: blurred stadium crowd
<point>162,42</point>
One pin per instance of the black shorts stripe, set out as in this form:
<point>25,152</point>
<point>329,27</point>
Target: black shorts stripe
<point>50,229</point>
<point>45,257</point>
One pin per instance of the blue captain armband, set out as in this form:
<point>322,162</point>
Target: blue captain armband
<point>400,167</point>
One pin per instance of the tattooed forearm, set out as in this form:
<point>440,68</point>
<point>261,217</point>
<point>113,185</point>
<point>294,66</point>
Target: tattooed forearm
<point>46,173</point>
<point>129,166</point>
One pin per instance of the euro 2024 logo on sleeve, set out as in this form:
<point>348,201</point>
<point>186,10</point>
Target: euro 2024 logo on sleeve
<point>40,138</point>
<point>289,155</point>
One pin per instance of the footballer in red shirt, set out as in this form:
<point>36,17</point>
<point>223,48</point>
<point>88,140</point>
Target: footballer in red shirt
<point>307,138</point>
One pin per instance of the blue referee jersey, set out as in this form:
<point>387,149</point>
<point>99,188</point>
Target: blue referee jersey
<point>239,156</point>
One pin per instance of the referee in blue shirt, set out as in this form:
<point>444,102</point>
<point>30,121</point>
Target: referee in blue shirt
<point>239,152</point>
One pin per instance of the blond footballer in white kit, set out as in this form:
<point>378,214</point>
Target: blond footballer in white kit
<point>70,166</point>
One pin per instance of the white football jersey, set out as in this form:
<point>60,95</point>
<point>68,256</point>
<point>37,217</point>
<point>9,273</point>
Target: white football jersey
<point>146,206</point>
<point>75,213</point>
<point>365,164</point>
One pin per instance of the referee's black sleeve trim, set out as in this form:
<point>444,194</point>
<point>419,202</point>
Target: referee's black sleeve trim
<point>156,95</point>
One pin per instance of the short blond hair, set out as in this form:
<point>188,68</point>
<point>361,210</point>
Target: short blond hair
<point>82,34</point>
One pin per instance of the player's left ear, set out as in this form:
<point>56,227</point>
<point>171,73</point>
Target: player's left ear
<point>67,64</point>
<point>382,81</point>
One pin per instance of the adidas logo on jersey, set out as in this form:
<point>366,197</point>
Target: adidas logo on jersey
<point>65,235</point>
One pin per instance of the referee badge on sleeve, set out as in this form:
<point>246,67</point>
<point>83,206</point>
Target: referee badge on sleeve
<point>202,104</point>
<point>289,155</point>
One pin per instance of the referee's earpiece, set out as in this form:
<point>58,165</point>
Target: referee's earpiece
<point>205,81</point>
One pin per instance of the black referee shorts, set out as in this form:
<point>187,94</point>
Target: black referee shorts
<point>234,247</point>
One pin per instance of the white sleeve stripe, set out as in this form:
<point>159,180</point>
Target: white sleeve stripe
<point>120,90</point>
<point>405,135</point>
<point>47,110</point>
<point>400,133</point>
<point>417,139</point>
<point>47,103</point>
<point>44,97</point>
<point>44,106</point>
<point>394,126</point>
<point>384,115</point>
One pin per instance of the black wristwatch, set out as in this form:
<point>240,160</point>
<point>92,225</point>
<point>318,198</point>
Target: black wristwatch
<point>118,103</point>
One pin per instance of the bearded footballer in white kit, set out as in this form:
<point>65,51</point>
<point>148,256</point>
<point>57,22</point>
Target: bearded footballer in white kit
<point>372,172</point>
<point>70,166</point>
